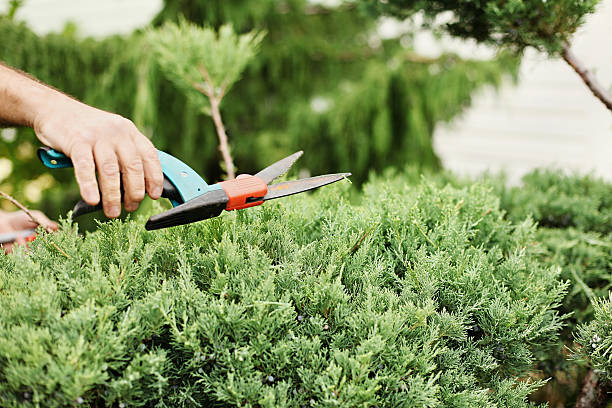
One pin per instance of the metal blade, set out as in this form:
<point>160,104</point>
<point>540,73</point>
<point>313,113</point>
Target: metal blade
<point>279,168</point>
<point>9,237</point>
<point>288,188</point>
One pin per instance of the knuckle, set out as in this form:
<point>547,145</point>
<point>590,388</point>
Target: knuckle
<point>135,194</point>
<point>84,164</point>
<point>79,145</point>
<point>151,154</point>
<point>124,123</point>
<point>112,197</point>
<point>109,169</point>
<point>134,165</point>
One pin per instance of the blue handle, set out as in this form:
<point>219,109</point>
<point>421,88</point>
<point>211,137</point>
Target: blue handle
<point>188,183</point>
<point>53,159</point>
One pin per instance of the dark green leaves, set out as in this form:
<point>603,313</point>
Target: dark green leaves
<point>543,24</point>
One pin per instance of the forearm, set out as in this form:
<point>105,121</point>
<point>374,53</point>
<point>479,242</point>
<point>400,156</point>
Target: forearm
<point>22,98</point>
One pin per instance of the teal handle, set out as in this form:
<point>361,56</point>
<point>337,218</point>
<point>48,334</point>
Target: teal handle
<point>53,159</point>
<point>188,183</point>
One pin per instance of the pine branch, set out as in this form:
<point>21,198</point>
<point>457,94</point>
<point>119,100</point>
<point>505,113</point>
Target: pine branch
<point>223,145</point>
<point>588,77</point>
<point>215,101</point>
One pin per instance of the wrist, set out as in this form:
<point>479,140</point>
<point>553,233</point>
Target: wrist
<point>45,106</point>
<point>49,115</point>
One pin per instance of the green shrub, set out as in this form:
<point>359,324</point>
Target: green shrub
<point>585,259</point>
<point>575,234</point>
<point>558,200</point>
<point>574,216</point>
<point>595,338</point>
<point>417,296</point>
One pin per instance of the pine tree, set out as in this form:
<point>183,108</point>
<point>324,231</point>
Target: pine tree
<point>544,25</point>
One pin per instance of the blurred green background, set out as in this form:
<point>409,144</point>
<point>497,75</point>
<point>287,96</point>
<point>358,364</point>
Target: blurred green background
<point>324,82</point>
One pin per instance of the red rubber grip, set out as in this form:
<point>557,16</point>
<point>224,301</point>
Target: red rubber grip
<point>242,188</point>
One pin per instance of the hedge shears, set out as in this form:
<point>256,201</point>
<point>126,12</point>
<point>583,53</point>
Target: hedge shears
<point>195,200</point>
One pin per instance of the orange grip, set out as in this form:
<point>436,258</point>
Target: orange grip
<point>242,188</point>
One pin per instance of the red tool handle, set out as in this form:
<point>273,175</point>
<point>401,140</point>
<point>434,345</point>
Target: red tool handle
<point>244,191</point>
<point>9,237</point>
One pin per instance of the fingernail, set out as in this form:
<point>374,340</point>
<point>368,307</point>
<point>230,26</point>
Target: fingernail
<point>114,211</point>
<point>92,197</point>
<point>158,191</point>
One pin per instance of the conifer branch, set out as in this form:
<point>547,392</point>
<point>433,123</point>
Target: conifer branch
<point>588,77</point>
<point>215,100</point>
<point>361,239</point>
<point>60,250</point>
<point>37,220</point>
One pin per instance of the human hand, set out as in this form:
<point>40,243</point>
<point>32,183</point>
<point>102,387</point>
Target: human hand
<point>18,221</point>
<point>96,139</point>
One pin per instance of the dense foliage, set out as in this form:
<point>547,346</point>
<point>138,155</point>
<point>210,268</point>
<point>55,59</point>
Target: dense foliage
<point>322,81</point>
<point>545,25</point>
<point>418,296</point>
<point>595,338</point>
<point>574,235</point>
<point>574,214</point>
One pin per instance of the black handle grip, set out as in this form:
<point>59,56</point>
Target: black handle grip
<point>170,192</point>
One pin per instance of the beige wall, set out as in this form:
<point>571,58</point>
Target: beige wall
<point>550,119</point>
<point>94,17</point>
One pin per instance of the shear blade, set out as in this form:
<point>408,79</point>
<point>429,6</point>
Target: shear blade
<point>288,188</point>
<point>279,168</point>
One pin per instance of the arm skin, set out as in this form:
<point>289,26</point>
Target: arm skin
<point>92,138</point>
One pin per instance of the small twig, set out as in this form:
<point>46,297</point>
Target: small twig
<point>360,241</point>
<point>33,217</point>
<point>588,77</point>
<point>215,100</point>
<point>59,249</point>
<point>424,234</point>
<point>201,89</point>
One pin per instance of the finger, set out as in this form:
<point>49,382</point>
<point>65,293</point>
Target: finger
<point>85,173</point>
<point>133,176</point>
<point>19,220</point>
<point>108,178</point>
<point>46,222</point>
<point>154,178</point>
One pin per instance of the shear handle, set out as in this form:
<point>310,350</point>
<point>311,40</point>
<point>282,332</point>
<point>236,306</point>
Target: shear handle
<point>170,192</point>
